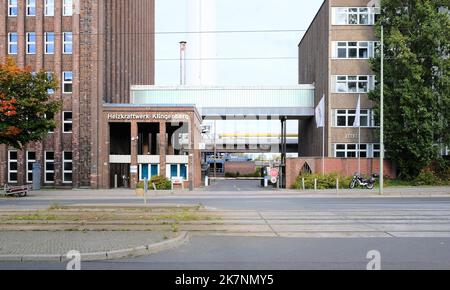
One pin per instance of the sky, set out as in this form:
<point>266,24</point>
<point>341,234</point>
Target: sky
<point>171,16</point>
<point>239,15</point>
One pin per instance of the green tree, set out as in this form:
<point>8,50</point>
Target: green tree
<point>26,108</point>
<point>417,81</point>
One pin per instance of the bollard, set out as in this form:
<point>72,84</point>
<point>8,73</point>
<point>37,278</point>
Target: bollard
<point>145,190</point>
<point>315,184</point>
<point>303,184</point>
<point>337,185</point>
<point>115,182</point>
<point>206,181</point>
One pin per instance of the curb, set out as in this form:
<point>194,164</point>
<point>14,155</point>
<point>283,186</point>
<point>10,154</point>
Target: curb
<point>182,238</point>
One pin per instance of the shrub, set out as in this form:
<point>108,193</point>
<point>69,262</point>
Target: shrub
<point>427,178</point>
<point>327,181</point>
<point>161,183</point>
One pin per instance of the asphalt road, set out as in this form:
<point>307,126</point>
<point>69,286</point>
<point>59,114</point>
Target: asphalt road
<point>245,253</point>
<point>267,253</point>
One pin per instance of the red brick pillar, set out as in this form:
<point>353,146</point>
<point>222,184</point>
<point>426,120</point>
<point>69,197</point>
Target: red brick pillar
<point>134,154</point>
<point>162,148</point>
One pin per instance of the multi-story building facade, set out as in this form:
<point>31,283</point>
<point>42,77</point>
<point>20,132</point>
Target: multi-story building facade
<point>97,49</point>
<point>333,55</point>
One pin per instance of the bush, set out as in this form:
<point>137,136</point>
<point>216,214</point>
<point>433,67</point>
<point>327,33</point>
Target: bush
<point>427,178</point>
<point>161,183</point>
<point>327,181</point>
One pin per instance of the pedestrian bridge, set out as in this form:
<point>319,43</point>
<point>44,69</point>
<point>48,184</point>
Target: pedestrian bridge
<point>289,102</point>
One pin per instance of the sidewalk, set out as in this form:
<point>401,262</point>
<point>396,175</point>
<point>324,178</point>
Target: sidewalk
<point>54,246</point>
<point>89,194</point>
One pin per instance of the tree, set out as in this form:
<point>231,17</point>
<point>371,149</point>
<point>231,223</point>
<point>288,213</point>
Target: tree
<point>417,81</point>
<point>26,108</point>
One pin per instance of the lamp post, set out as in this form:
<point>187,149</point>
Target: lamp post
<point>382,114</point>
<point>183,46</point>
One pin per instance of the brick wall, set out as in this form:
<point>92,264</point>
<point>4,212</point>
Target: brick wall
<point>346,167</point>
<point>241,167</point>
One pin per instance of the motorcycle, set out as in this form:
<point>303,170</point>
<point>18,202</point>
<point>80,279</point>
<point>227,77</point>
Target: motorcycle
<point>361,181</point>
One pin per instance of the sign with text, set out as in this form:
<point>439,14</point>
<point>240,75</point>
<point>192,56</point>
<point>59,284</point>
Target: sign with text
<point>156,116</point>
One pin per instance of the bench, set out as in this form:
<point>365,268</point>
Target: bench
<point>19,191</point>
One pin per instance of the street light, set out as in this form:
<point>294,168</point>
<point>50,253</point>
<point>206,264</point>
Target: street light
<point>382,114</point>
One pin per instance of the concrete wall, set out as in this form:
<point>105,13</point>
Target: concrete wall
<point>342,166</point>
<point>313,69</point>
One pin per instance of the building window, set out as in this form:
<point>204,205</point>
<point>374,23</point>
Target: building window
<point>49,38</point>
<point>67,82</point>
<point>49,169</point>
<point>346,118</point>
<point>147,171</point>
<point>67,43</point>
<point>31,159</point>
<point>67,8</point>
<point>355,15</point>
<point>351,150</point>
<point>49,8</point>
<point>353,84</point>
<point>67,122</point>
<point>376,150</point>
<point>31,7</point>
<point>12,166</point>
<point>31,43</point>
<point>12,8</point>
<point>67,167</point>
<point>50,117</point>
<point>178,171</point>
<point>354,49</point>
<point>12,43</point>
<point>50,78</point>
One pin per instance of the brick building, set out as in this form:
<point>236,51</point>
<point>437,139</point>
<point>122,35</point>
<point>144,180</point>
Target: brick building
<point>334,55</point>
<point>97,49</point>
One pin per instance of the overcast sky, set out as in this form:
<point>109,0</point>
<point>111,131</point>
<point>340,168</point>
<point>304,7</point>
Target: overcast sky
<point>239,15</point>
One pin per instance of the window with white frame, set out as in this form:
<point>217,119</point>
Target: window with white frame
<point>13,166</point>
<point>354,49</point>
<point>50,77</point>
<point>148,171</point>
<point>49,8</point>
<point>376,150</point>
<point>49,39</point>
<point>31,159</point>
<point>355,15</point>
<point>351,150</point>
<point>67,122</point>
<point>67,8</point>
<point>67,81</point>
<point>31,8</point>
<point>67,42</point>
<point>346,118</point>
<point>13,9</point>
<point>13,43</point>
<point>31,42</point>
<point>353,84</point>
<point>177,171</point>
<point>67,167</point>
<point>49,167</point>
<point>50,117</point>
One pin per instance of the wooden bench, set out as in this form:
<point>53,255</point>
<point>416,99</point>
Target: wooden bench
<point>19,191</point>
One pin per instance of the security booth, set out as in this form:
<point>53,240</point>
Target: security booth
<point>142,142</point>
